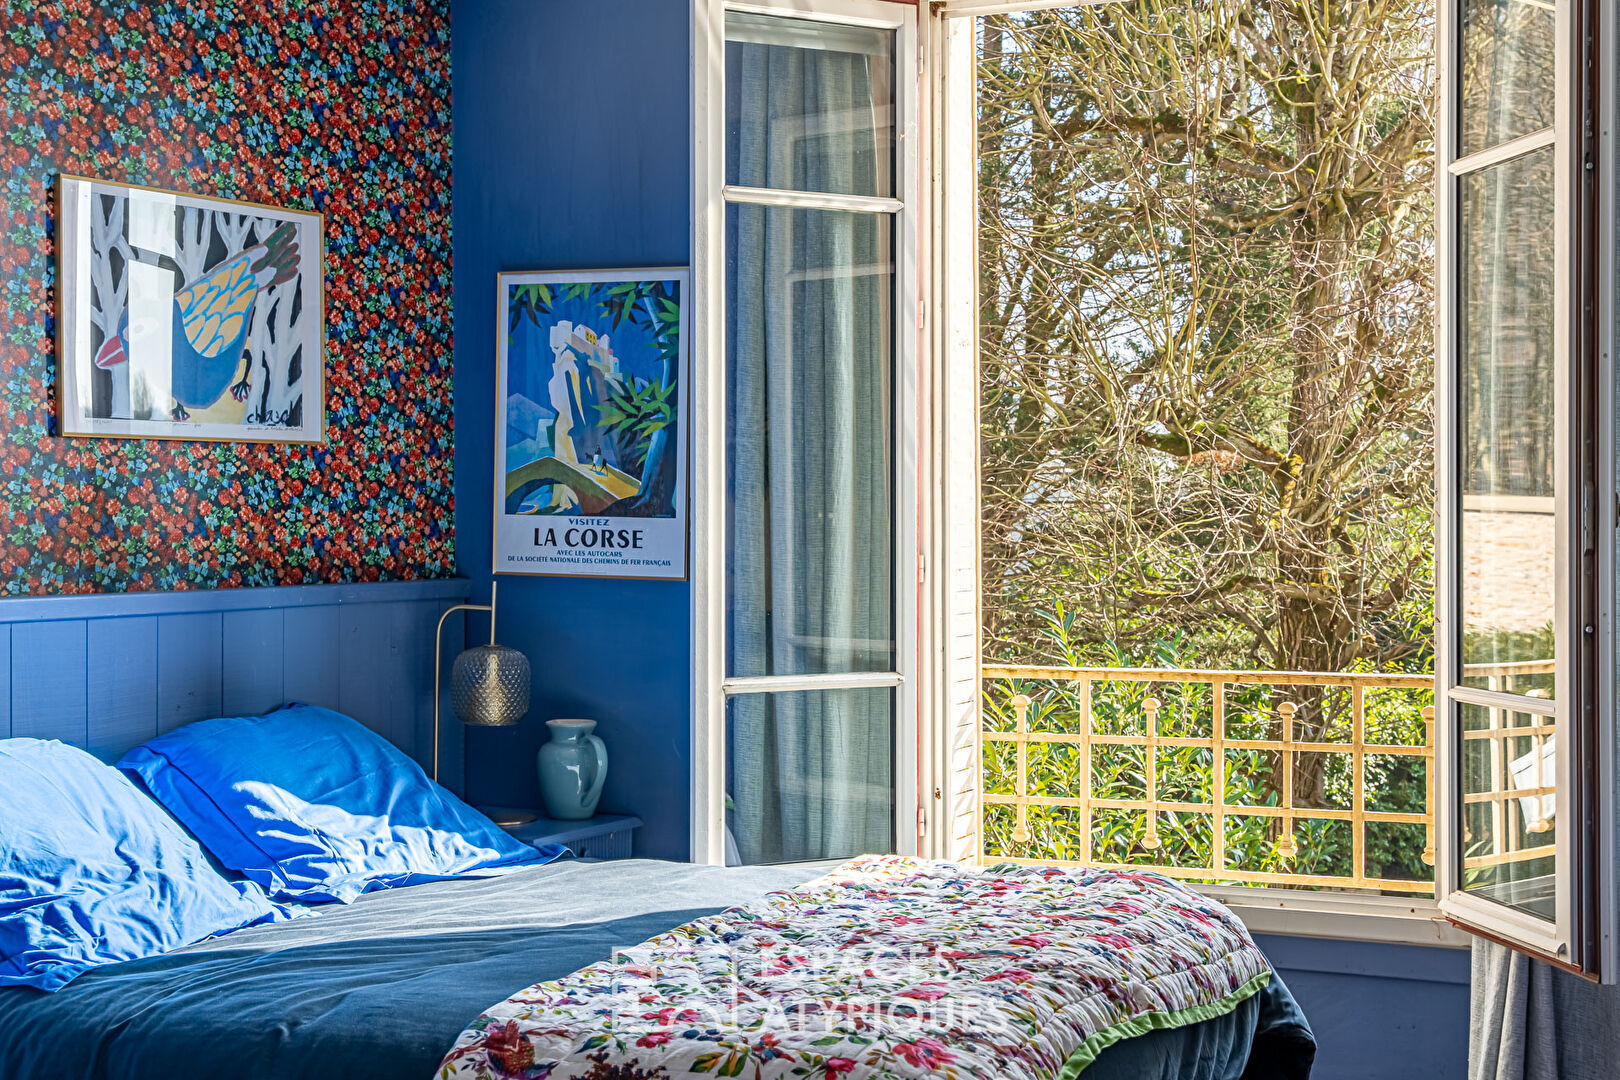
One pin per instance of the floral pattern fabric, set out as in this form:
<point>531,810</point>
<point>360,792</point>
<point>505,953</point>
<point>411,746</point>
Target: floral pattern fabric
<point>889,967</point>
<point>340,106</point>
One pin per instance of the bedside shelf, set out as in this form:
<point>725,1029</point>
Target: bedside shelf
<point>605,836</point>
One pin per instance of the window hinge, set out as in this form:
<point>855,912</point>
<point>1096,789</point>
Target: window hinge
<point>922,569</point>
<point>922,822</point>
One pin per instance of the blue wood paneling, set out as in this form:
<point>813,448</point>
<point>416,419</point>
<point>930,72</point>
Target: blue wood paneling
<point>109,672</point>
<point>190,675</point>
<point>410,701</point>
<point>124,605</point>
<point>122,686</point>
<point>5,682</point>
<point>364,652</point>
<point>310,655</point>
<point>252,666</point>
<point>49,666</point>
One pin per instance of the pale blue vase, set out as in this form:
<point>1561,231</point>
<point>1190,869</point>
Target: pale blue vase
<point>573,766</point>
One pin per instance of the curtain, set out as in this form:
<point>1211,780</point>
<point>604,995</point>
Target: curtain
<point>810,773</point>
<point>1530,1021</point>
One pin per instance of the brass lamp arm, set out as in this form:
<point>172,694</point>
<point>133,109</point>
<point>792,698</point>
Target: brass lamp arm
<point>438,649</point>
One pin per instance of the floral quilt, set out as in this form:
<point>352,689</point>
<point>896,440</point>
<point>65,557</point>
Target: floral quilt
<point>888,967</point>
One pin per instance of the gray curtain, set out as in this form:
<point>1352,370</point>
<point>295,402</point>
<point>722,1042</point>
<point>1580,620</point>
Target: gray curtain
<point>1530,1021</point>
<point>810,774</point>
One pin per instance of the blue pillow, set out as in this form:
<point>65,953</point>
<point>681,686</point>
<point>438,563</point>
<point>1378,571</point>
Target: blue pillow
<point>314,806</point>
<point>93,872</point>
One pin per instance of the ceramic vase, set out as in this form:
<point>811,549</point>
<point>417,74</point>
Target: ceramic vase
<point>573,766</point>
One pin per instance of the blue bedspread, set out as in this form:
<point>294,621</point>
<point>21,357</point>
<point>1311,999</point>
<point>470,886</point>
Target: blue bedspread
<point>382,988</point>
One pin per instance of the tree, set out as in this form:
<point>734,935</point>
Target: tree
<point>1206,330</point>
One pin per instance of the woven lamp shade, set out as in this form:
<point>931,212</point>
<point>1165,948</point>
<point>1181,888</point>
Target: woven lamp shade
<point>489,686</point>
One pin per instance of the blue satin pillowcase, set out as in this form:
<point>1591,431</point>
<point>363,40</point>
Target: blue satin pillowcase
<point>314,806</point>
<point>93,872</point>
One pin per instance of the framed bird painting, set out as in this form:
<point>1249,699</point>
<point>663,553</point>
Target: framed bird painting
<point>183,317</point>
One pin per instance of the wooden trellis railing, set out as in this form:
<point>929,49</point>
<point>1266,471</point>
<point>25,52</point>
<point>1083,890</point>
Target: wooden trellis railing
<point>1016,682</point>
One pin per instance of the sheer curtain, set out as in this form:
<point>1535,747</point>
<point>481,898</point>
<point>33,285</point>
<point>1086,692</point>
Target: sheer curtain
<point>810,772</point>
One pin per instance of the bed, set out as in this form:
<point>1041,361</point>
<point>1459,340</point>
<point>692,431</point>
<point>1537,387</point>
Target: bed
<point>382,988</point>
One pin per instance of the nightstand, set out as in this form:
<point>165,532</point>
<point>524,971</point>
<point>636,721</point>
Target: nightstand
<point>605,836</point>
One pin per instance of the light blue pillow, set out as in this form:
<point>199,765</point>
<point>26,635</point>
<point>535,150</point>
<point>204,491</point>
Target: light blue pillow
<point>93,872</point>
<point>314,806</point>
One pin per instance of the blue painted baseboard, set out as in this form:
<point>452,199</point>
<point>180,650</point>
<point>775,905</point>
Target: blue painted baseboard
<point>108,672</point>
<point>1380,1012</point>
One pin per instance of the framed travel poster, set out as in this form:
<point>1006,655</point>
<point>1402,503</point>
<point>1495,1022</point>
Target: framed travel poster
<point>184,317</point>
<point>590,417</point>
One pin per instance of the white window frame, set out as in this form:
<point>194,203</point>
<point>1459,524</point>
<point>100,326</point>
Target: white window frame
<point>710,685</point>
<point>950,463</point>
<point>1582,936</point>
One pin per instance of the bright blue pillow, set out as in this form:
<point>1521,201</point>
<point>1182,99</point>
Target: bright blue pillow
<point>314,806</point>
<point>93,872</point>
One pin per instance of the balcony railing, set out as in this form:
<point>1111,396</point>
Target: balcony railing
<point>1197,773</point>
<point>1256,777</point>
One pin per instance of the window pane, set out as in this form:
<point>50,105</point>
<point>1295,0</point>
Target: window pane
<point>1508,90</point>
<point>809,775</point>
<point>809,106</point>
<point>1510,767</point>
<point>809,568</point>
<point>1507,442</point>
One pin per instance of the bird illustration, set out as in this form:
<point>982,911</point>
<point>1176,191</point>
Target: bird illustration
<point>210,322</point>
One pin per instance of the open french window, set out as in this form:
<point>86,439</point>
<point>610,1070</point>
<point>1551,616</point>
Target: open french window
<point>1524,542</point>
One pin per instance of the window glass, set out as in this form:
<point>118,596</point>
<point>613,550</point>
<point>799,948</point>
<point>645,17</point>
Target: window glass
<point>809,106</point>
<point>809,775</point>
<point>809,566</point>
<point>1507,537</point>
<point>1508,53</point>
<point>1509,821</point>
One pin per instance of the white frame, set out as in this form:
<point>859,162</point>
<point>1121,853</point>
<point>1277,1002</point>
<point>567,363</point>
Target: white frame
<point>948,684</point>
<point>1495,918</point>
<point>710,686</point>
<point>73,320</point>
<point>666,537</point>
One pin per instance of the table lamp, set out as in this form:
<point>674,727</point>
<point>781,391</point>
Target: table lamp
<point>489,687</point>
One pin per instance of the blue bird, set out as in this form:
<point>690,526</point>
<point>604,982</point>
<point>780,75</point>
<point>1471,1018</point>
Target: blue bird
<point>210,321</point>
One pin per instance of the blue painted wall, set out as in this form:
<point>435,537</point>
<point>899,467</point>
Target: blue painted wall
<point>571,151</point>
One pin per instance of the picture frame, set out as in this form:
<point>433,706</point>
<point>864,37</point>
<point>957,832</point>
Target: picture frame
<point>591,431</point>
<point>184,316</point>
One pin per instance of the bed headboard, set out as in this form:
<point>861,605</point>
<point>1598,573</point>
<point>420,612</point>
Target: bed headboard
<point>107,672</point>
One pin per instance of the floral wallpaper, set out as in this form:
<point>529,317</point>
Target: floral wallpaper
<point>341,106</point>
